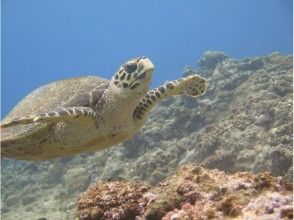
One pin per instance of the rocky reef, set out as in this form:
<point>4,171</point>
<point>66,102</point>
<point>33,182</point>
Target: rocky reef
<point>243,123</point>
<point>192,193</point>
<point>112,200</point>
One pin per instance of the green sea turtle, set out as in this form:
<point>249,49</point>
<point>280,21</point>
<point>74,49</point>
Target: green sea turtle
<point>88,113</point>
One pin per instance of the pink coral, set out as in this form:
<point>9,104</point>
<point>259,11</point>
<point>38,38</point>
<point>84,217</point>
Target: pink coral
<point>272,203</point>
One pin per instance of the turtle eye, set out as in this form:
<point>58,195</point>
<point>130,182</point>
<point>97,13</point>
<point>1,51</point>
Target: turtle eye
<point>142,76</point>
<point>130,68</point>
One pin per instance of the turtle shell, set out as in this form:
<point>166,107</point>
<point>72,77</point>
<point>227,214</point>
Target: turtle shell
<point>64,93</point>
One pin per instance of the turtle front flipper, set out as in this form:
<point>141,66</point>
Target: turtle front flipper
<point>193,85</point>
<point>60,114</point>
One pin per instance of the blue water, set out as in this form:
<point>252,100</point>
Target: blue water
<point>43,41</point>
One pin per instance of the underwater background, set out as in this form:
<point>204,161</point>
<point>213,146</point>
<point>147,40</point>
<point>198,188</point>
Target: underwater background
<point>44,41</point>
<point>243,124</point>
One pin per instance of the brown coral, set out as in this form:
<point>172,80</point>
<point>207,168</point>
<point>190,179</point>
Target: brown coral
<point>111,200</point>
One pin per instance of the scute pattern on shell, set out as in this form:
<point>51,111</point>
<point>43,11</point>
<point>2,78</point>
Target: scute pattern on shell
<point>64,93</point>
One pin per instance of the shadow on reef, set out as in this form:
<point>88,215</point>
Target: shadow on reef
<point>243,123</point>
<point>192,193</point>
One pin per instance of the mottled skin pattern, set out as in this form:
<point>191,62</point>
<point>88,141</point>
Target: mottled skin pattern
<point>88,113</point>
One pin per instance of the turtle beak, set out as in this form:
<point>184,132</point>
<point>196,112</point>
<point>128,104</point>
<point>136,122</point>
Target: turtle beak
<point>147,63</point>
<point>148,66</point>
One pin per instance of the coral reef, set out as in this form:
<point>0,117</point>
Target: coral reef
<point>211,59</point>
<point>243,123</point>
<point>270,205</point>
<point>192,192</point>
<point>113,200</point>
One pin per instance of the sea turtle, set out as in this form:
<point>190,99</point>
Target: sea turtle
<point>88,113</point>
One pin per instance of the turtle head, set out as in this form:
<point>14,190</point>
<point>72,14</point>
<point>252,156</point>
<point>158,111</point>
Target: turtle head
<point>133,77</point>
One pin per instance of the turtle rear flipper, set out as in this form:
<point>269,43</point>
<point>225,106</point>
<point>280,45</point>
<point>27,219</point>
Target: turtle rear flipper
<point>60,114</point>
